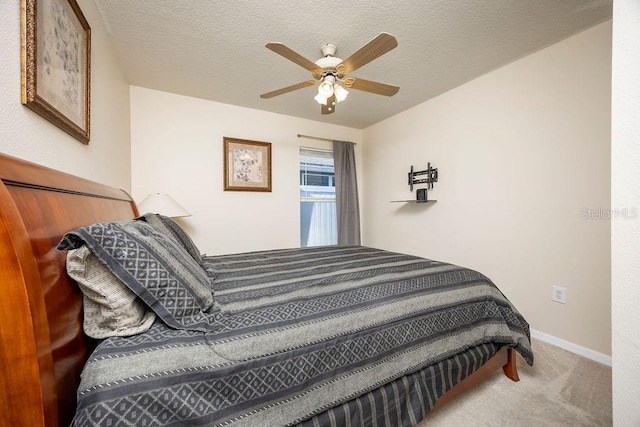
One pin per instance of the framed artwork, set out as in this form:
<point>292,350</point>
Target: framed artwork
<point>56,69</point>
<point>247,165</point>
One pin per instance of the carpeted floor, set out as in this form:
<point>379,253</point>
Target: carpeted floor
<point>561,389</point>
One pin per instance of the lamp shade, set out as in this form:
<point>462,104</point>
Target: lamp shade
<point>320,99</point>
<point>163,204</point>
<point>340,92</point>
<point>325,89</point>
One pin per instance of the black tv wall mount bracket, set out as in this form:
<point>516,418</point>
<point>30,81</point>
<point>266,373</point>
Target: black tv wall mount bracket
<point>430,175</point>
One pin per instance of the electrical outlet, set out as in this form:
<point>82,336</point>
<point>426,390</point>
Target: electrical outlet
<point>559,294</point>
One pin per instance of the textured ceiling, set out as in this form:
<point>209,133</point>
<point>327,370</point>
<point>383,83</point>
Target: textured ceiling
<point>215,49</point>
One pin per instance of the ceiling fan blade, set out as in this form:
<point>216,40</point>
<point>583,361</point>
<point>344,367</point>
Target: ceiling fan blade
<point>373,87</point>
<point>294,56</point>
<point>377,47</point>
<point>330,107</point>
<point>287,89</point>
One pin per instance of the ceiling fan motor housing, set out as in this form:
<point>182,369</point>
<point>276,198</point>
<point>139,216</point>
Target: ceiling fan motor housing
<point>328,64</point>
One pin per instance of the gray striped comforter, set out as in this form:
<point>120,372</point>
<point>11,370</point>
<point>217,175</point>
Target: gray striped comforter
<point>315,336</point>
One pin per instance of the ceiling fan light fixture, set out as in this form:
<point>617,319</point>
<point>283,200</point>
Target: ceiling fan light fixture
<point>340,92</point>
<point>321,99</point>
<point>326,87</point>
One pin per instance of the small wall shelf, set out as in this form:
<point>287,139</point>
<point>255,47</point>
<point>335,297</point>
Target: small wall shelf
<point>413,201</point>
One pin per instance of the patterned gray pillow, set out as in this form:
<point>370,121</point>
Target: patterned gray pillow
<point>155,268</point>
<point>168,226</point>
<point>110,308</point>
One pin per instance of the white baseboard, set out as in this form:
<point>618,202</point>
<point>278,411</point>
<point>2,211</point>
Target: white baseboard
<point>574,348</point>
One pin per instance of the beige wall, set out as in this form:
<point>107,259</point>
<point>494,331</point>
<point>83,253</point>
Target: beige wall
<point>625,239</point>
<point>177,149</point>
<point>524,156</point>
<point>25,134</point>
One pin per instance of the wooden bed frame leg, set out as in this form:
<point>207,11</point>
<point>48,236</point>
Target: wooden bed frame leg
<point>511,368</point>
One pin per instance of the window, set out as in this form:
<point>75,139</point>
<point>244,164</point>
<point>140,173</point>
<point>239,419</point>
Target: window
<point>318,221</point>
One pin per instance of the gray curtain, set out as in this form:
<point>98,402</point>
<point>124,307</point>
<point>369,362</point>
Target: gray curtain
<point>348,211</point>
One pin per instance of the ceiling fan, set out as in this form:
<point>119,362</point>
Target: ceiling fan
<point>331,72</point>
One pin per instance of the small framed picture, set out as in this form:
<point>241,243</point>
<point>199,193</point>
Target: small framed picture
<point>56,69</point>
<point>247,165</point>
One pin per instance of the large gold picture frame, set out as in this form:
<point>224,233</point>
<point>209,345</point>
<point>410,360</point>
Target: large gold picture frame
<point>56,64</point>
<point>247,165</point>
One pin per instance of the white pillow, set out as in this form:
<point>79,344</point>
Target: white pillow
<point>110,307</point>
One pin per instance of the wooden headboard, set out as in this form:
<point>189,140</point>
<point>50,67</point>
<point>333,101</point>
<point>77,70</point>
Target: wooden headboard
<point>42,347</point>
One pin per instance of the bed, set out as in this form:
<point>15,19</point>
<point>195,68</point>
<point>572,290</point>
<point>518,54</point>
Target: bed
<point>249,330</point>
